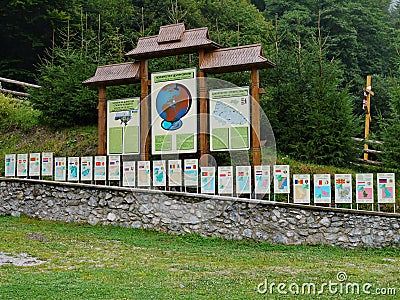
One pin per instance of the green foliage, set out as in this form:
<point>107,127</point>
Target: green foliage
<point>391,135</point>
<point>312,118</point>
<point>16,113</point>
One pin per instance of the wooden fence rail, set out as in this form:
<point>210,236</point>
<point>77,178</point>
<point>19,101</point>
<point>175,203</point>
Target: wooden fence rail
<point>371,151</point>
<point>19,83</point>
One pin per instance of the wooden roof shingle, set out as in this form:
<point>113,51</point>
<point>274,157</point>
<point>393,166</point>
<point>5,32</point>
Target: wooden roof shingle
<point>170,33</point>
<point>235,59</point>
<point>172,40</point>
<point>115,74</point>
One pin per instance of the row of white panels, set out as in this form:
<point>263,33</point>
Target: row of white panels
<point>176,173</point>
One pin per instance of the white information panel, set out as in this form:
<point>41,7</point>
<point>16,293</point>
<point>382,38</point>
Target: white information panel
<point>301,188</point>
<point>73,168</point>
<point>123,123</point>
<point>100,168</point>
<point>281,179</point>
<point>243,180</point>
<point>144,178</point>
<point>60,172</point>
<point>343,189</point>
<point>129,173</point>
<point>10,165</point>
<point>174,112</point>
<point>208,180</point>
<point>114,167</point>
<point>262,175</point>
<point>47,163</point>
<point>175,172</point>
<point>87,168</point>
<point>159,173</point>
<point>365,188</point>
<point>386,188</point>
<point>34,164</point>
<point>322,189</point>
<point>22,165</point>
<point>190,173</point>
<point>230,119</point>
<point>225,180</point>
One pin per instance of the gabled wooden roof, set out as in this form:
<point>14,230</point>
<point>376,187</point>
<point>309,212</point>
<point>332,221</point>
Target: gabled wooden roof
<point>170,33</point>
<point>235,59</point>
<point>116,74</point>
<point>172,40</point>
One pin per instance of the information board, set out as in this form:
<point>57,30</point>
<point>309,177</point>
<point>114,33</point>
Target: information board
<point>207,180</point>
<point>100,168</point>
<point>60,172</point>
<point>144,178</point>
<point>175,172</point>
<point>123,123</point>
<point>174,112</point>
<point>343,188</point>
<point>114,167</point>
<point>365,188</point>
<point>10,165</point>
<point>87,168</point>
<point>230,119</point>
<point>73,169</point>
<point>225,180</point>
<point>34,164</point>
<point>129,173</point>
<point>191,173</point>
<point>243,180</point>
<point>322,189</point>
<point>47,164</point>
<point>281,179</point>
<point>159,173</point>
<point>301,188</point>
<point>22,165</point>
<point>386,188</point>
<point>262,177</point>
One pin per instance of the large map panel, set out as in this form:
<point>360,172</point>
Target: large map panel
<point>230,119</point>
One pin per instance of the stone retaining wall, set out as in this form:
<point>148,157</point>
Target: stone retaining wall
<point>179,213</point>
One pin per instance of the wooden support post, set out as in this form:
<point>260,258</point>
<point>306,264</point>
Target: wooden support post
<point>144,111</point>
<point>204,144</point>
<point>368,114</point>
<point>255,117</point>
<point>102,122</point>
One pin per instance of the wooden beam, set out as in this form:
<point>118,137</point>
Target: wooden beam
<point>102,122</point>
<point>255,117</point>
<point>20,83</point>
<point>367,115</point>
<point>203,135</point>
<point>144,111</point>
<point>22,94</point>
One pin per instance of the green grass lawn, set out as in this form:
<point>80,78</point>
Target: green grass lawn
<point>86,262</point>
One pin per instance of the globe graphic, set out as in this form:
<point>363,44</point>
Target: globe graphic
<point>173,102</point>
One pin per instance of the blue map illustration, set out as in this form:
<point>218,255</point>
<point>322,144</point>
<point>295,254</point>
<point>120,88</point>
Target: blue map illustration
<point>322,192</point>
<point>244,183</point>
<point>225,114</point>
<point>159,174</point>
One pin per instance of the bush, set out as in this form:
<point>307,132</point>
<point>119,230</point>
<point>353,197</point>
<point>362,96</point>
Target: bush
<point>16,113</point>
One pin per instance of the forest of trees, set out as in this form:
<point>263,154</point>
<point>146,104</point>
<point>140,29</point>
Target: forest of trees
<point>323,51</point>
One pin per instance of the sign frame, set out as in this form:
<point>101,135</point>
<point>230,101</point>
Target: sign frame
<point>123,126</point>
<point>175,135</point>
<point>230,119</point>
